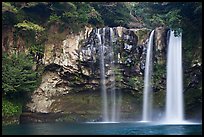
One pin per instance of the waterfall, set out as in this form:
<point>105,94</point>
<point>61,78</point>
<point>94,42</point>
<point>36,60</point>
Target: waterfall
<point>174,95</point>
<point>102,77</point>
<point>110,113</point>
<point>147,97</point>
<point>113,94</point>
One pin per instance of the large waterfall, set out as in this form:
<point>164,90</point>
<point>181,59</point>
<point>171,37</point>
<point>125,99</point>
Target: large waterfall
<point>174,96</point>
<point>147,97</point>
<point>110,112</point>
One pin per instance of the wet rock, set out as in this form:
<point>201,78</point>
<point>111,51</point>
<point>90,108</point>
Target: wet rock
<point>65,53</point>
<point>161,44</point>
<point>41,99</point>
<point>29,117</point>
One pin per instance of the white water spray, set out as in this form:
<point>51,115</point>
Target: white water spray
<point>113,93</point>
<point>147,97</point>
<point>103,79</point>
<point>174,96</point>
<point>110,112</point>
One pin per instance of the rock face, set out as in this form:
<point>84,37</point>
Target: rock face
<point>57,60</point>
<point>72,65</point>
<point>66,53</point>
<point>41,98</point>
<point>12,43</point>
<point>161,44</point>
<point>81,107</point>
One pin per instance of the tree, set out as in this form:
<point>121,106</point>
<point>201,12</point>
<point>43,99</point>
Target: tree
<point>113,14</point>
<point>17,75</point>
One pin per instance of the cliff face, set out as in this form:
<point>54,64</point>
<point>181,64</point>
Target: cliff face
<point>59,57</point>
<point>71,77</point>
<point>72,66</point>
<point>64,53</point>
<point>12,43</point>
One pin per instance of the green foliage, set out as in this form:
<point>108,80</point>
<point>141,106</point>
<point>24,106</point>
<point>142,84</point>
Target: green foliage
<point>174,15</point>
<point>60,7</point>
<point>70,17</point>
<point>73,15</point>
<point>118,74</point>
<point>8,19</point>
<point>6,6</point>
<point>158,14</point>
<point>65,12</point>
<point>142,34</point>
<point>159,98</point>
<point>95,18</point>
<point>54,18</point>
<point>37,49</point>
<point>86,13</point>
<point>174,18</point>
<point>171,18</point>
<point>27,25</point>
<point>33,35</point>
<point>159,76</point>
<point>21,16</point>
<point>33,4</point>
<point>113,14</point>
<point>193,98</point>
<point>137,83</point>
<point>17,75</point>
<point>9,108</point>
<point>118,77</point>
<point>78,15</point>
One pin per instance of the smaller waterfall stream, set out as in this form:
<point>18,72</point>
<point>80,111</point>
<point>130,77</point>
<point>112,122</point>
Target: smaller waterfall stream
<point>102,76</point>
<point>110,112</point>
<point>147,97</point>
<point>112,67</point>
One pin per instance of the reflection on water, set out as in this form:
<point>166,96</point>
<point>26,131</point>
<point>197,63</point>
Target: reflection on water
<point>101,129</point>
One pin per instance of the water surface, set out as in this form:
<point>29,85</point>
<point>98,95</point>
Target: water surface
<point>134,128</point>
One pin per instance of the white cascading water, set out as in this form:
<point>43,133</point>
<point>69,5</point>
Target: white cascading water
<point>174,95</point>
<point>113,94</point>
<point>110,113</point>
<point>102,76</point>
<point>147,97</point>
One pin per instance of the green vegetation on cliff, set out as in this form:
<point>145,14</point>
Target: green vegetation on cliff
<point>18,76</point>
<point>18,80</point>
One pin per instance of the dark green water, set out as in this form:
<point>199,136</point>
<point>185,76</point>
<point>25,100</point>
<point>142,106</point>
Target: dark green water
<point>101,129</point>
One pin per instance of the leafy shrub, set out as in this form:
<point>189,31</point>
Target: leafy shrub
<point>6,6</point>
<point>27,25</point>
<point>9,108</point>
<point>54,18</point>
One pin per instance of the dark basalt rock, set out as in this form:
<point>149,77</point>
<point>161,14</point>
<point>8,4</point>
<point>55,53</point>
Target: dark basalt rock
<point>39,117</point>
<point>161,44</point>
<point>53,67</point>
